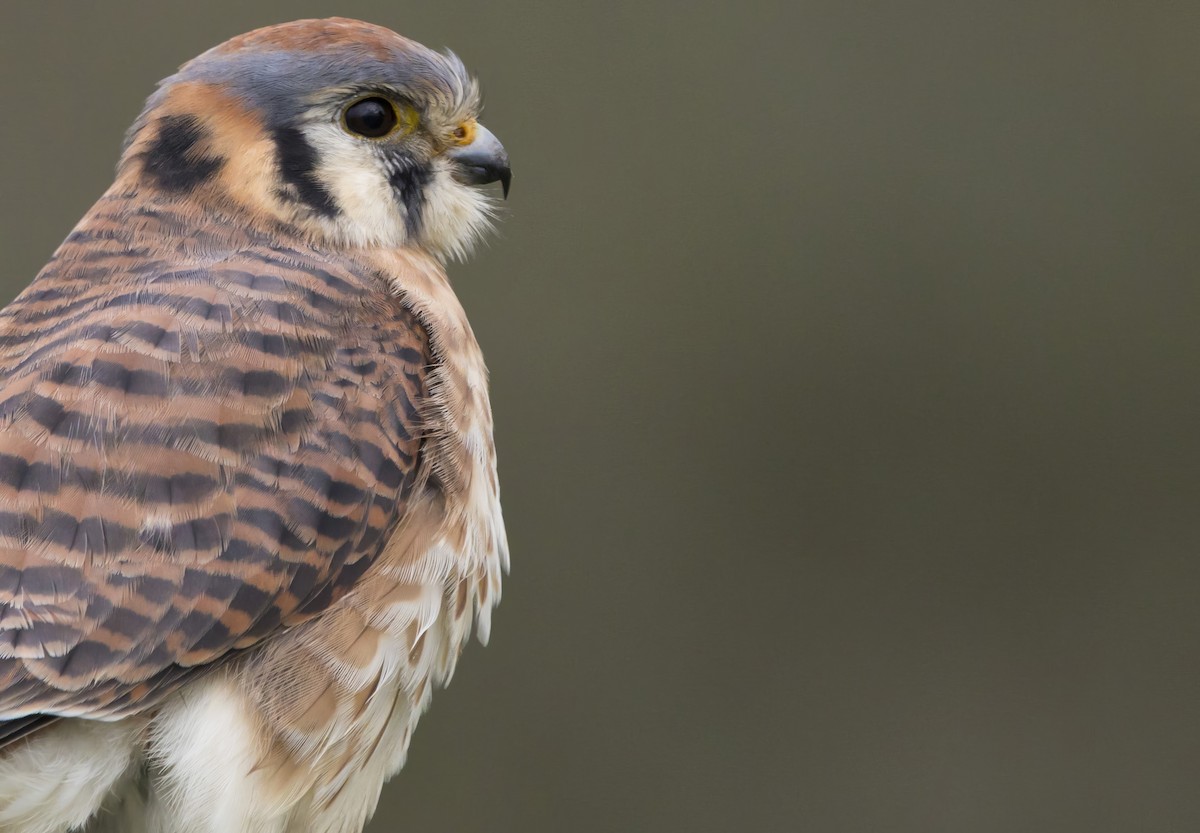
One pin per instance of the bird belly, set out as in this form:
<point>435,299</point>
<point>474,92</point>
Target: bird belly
<point>300,737</point>
<point>61,775</point>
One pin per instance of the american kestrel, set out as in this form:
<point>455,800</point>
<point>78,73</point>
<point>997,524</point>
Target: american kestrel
<point>249,512</point>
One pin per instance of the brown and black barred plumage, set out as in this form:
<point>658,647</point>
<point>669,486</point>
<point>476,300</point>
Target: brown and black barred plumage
<point>248,504</point>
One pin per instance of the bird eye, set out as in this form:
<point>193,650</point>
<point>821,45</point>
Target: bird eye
<point>373,117</point>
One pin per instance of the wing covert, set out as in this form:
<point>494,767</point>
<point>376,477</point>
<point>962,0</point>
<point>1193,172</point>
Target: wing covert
<point>195,451</point>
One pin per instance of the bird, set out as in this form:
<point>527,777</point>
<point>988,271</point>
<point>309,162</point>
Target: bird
<point>249,506</point>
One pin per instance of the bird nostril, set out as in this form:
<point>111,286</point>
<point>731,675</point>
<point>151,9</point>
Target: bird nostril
<point>464,134</point>
<point>481,161</point>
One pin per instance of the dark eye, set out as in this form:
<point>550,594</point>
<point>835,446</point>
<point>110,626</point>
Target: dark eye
<point>371,117</point>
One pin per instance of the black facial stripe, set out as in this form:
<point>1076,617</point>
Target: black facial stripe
<point>409,180</point>
<point>297,165</point>
<point>172,162</point>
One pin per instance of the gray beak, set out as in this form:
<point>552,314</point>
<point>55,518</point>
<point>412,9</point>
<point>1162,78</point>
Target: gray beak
<point>482,161</point>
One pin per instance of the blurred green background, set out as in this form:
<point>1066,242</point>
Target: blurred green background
<point>845,363</point>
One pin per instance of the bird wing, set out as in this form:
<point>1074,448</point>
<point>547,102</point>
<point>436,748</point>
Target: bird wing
<point>197,449</point>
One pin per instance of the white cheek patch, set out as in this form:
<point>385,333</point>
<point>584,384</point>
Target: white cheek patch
<point>355,176</point>
<point>452,218</point>
<point>456,216</point>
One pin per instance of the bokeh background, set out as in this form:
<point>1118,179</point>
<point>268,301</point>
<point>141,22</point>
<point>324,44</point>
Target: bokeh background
<point>845,361</point>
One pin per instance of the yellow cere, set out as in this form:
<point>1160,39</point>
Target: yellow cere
<point>464,134</point>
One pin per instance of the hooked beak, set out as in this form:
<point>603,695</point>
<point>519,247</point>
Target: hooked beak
<point>482,161</point>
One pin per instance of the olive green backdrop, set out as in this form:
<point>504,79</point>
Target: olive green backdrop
<point>845,366</point>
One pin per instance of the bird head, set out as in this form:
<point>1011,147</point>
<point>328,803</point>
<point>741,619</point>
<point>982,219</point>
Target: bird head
<point>338,129</point>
